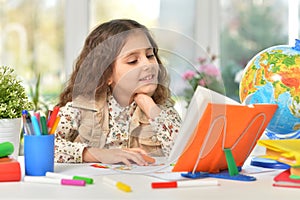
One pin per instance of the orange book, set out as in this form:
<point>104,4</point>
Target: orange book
<point>10,169</point>
<point>213,123</point>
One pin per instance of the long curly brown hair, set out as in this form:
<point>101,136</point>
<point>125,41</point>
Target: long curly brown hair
<point>94,64</point>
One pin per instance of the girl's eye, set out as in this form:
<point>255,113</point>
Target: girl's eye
<point>132,62</point>
<point>150,56</point>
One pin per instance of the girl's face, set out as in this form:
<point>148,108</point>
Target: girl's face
<point>135,69</point>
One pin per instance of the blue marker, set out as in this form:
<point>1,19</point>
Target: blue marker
<point>36,126</point>
<point>26,129</point>
<point>27,123</point>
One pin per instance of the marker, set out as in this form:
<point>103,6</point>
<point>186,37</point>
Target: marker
<point>38,117</point>
<point>36,126</point>
<point>44,125</point>
<point>64,176</point>
<point>52,117</point>
<point>121,186</point>
<point>179,184</point>
<point>26,128</point>
<point>28,123</point>
<point>54,125</point>
<point>42,179</point>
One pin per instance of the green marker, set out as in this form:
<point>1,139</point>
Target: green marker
<point>58,175</point>
<point>86,179</point>
<point>44,125</point>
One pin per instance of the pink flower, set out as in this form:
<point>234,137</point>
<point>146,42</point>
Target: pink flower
<point>202,60</point>
<point>188,75</point>
<point>207,75</point>
<point>210,70</point>
<point>202,82</point>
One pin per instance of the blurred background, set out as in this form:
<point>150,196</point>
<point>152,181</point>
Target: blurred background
<point>41,39</point>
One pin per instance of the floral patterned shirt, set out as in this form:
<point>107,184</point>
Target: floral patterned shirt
<point>166,125</point>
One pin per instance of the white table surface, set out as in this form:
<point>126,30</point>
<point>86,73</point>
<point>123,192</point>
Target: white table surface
<point>260,189</point>
<point>141,189</point>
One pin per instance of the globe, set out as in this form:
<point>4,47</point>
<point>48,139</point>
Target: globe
<point>273,76</point>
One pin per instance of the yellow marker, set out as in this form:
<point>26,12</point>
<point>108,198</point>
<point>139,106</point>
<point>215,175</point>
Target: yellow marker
<point>121,186</point>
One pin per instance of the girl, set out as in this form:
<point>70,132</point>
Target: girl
<point>117,103</point>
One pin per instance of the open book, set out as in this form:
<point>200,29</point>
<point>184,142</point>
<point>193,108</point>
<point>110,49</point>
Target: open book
<point>213,123</point>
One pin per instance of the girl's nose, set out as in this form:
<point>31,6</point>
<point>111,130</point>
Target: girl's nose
<point>146,61</point>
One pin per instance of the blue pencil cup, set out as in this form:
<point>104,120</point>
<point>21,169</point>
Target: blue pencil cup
<point>38,154</point>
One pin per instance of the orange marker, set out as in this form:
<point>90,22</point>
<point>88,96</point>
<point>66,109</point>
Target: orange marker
<point>54,125</point>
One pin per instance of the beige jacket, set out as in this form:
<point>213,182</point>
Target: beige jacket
<point>93,129</point>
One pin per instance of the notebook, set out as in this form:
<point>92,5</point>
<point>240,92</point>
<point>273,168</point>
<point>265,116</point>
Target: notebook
<point>285,150</point>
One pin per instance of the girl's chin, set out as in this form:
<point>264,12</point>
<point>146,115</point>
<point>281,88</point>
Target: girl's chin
<point>147,89</point>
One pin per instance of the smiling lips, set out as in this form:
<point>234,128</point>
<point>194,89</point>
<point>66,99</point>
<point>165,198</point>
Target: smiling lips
<point>147,78</point>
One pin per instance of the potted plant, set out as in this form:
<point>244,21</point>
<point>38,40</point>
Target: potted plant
<point>13,100</point>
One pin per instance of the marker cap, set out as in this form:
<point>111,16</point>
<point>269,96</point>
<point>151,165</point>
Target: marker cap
<point>86,179</point>
<point>124,187</point>
<point>164,184</point>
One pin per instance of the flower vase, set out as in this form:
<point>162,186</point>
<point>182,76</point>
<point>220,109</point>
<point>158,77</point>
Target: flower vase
<point>10,131</point>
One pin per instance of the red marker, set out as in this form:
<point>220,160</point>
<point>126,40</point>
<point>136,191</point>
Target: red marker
<point>178,184</point>
<point>52,117</point>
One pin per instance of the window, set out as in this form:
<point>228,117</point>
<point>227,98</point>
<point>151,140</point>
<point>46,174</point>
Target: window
<point>146,12</point>
<point>32,42</point>
<point>248,27</point>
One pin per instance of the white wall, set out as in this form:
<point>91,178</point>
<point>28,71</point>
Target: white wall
<point>76,30</point>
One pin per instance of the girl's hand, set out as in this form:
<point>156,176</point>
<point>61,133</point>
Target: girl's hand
<point>146,103</point>
<point>147,158</point>
<point>113,156</point>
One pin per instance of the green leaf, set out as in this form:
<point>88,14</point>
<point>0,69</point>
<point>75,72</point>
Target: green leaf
<point>13,98</point>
